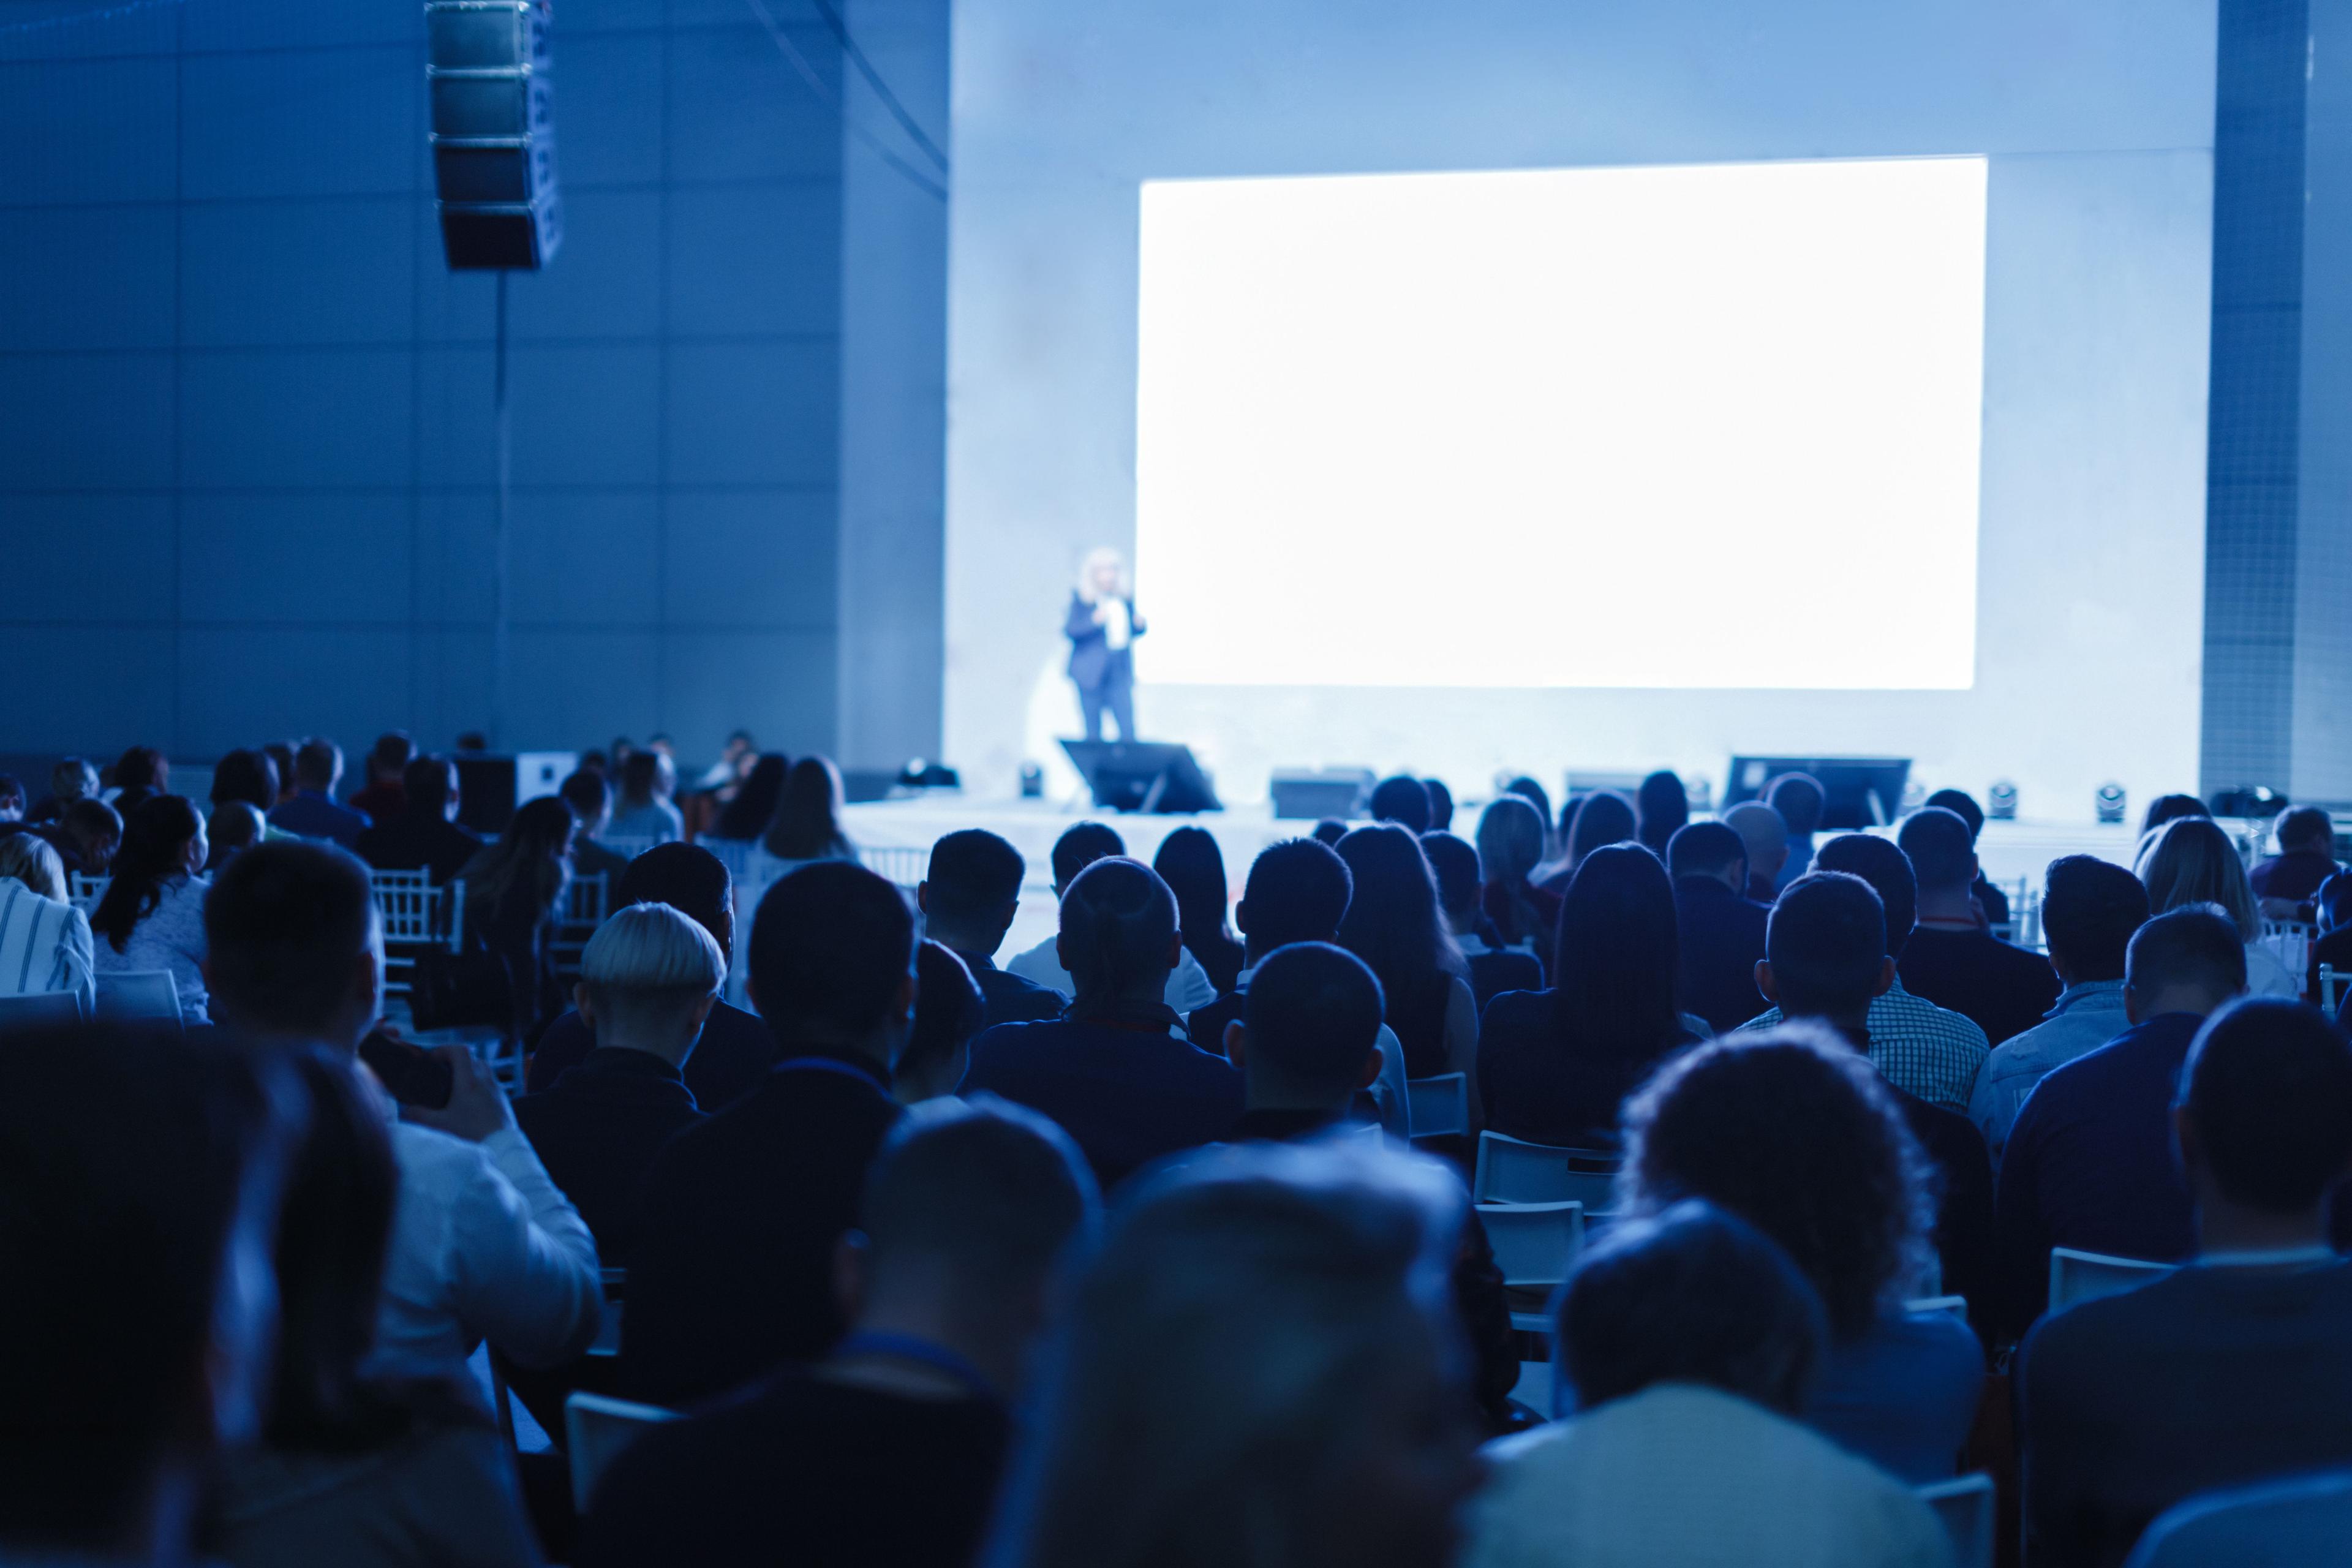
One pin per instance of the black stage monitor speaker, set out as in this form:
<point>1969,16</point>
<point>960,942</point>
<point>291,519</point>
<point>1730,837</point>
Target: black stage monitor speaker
<point>493,132</point>
<point>1314,793</point>
<point>1143,775</point>
<point>1860,792</point>
<point>491,784</point>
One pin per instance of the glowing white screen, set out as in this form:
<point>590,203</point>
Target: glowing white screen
<point>1707,425</point>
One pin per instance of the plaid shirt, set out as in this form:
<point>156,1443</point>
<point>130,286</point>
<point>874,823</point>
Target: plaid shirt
<point>1917,1046</point>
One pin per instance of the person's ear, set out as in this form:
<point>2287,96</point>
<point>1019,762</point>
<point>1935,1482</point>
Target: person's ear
<point>1764,981</point>
<point>1236,1043</point>
<point>1976,869</point>
<point>923,897</point>
<point>1372,1073</point>
<point>853,1267</point>
<point>1176,951</point>
<point>1886,978</point>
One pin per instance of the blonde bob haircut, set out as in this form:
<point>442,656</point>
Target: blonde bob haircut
<point>32,860</point>
<point>649,967</point>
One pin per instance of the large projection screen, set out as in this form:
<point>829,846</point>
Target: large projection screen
<point>1706,426</point>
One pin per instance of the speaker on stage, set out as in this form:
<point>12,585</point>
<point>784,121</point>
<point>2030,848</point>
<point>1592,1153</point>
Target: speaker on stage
<point>493,132</point>
<point>1143,775</point>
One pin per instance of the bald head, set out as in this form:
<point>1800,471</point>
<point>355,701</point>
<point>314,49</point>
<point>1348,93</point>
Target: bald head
<point>1766,837</point>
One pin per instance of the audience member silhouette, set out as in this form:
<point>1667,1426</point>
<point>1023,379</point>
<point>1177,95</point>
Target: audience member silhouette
<point>1494,967</point>
<point>2191,860</point>
<point>1602,819</point>
<point>87,836</point>
<point>1720,929</point>
<point>1799,799</point>
<point>70,779</point>
<point>647,781</point>
<point>747,816</point>
<point>1194,869</point>
<point>1440,806</point>
<point>426,836</point>
<point>1079,846</point>
<point>968,896</point>
<point>1510,846</point>
<point>44,941</point>
<point>1992,902</point>
<point>140,774</point>
<point>385,795</point>
<point>515,888</point>
<point>246,775</point>
<point>1329,831</point>
<point>591,800</point>
<point>1766,837</point>
<point>312,812</point>
<point>950,1014</point>
<point>1393,925</point>
<point>1661,806</point>
<point>2166,808</point>
<point>1403,800</point>
<point>2291,879</point>
<point>1308,1040</point>
<point>807,823</point>
<point>151,916</point>
<point>1949,958</point>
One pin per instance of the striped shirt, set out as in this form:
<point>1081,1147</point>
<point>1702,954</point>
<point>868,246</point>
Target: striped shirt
<point>1917,1046</point>
<point>44,946</point>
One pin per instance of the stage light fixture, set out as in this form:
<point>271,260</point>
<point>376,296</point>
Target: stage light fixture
<point>2111,802</point>
<point>2000,801</point>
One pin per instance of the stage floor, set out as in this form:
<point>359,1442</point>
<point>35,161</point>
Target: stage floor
<point>2009,849</point>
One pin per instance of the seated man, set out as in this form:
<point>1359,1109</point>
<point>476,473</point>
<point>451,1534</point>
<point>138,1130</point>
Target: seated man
<point>1990,901</point>
<point>2238,1367</point>
<point>424,836</point>
<point>1766,837</point>
<point>1308,1038</point>
<point>1950,959</point>
<point>1799,799</point>
<point>2089,911</point>
<point>1117,1070</point>
<point>2306,857</point>
<point>1721,930</point>
<point>735,1049</point>
<point>137,1219</point>
<point>1299,891</point>
<point>387,771</point>
<point>969,896</point>
<point>1494,968</point>
<point>591,800</point>
<point>1188,986</point>
<point>730,1260</point>
<point>484,1245</point>
<point>887,1450</point>
<point>1922,1050</point>
<point>2090,1159</point>
<point>647,980</point>
<point>1403,800</point>
<point>312,812</point>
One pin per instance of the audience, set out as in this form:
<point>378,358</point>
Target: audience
<point>2166,808</point>
<point>1510,845</point>
<point>385,796</point>
<point>735,1049</point>
<point>1079,846</point>
<point>1661,807</point>
<point>281,757</point>
<point>424,836</point>
<point>950,1014</point>
<point>142,1188</point>
<point>1720,929</point>
<point>1923,1049</point>
<point>2238,1367</point>
<point>969,896</point>
<point>1403,800</point>
<point>514,901</point>
<point>87,836</point>
<point>362,1463</point>
<point>1991,903</point>
<point>2190,861</point>
<point>1690,1343</point>
<point>1599,820</point>
<point>44,941</point>
<point>1554,1066</point>
<point>70,779</point>
<point>1766,837</point>
<point>1799,799</point>
<point>1794,1132</point>
<point>235,826</point>
<point>748,816</point>
<point>1194,869</point>
<point>1826,959</point>
<point>2089,911</point>
<point>1440,806</point>
<point>2089,1163</point>
<point>1308,1038</point>
<point>730,1259</point>
<point>1949,958</point>
<point>1494,967</point>
<point>1393,925</point>
<point>484,1247</point>
<point>140,774</point>
<point>1118,1071</point>
<point>312,813</point>
<point>807,824</point>
<point>648,979</point>
<point>648,779</point>
<point>1257,1368</point>
<point>2306,857</point>
<point>591,800</point>
<point>1329,831</point>
<point>151,916</point>
<point>245,776</point>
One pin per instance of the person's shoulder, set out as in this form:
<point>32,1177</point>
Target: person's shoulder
<point>1919,1013</point>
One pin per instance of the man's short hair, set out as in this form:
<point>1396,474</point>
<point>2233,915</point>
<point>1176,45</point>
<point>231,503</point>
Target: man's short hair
<point>973,873</point>
<point>2268,1087</point>
<point>317,764</point>
<point>587,793</point>
<point>130,1159</point>
<point>1403,800</point>
<point>1455,866</point>
<point>1296,890</point>
<point>948,1007</point>
<point>11,788</point>
<point>2089,910</point>
<point>1695,1295</point>
<point>283,923</point>
<point>1441,805</point>
<point>1962,805</point>
<point>832,945</point>
<point>1940,848</point>
<point>994,1188</point>
<point>1760,828</point>
<point>2307,826</point>
<point>91,818</point>
<point>1799,799</point>
<point>1881,863</point>
<point>2196,945</point>
<point>690,879</point>
<point>1328,831</point>
<point>1118,920</point>
<point>392,752</point>
<point>73,778</point>
<point>1080,846</point>
<point>426,784</point>
<point>1826,943</point>
<point>648,967</point>
<point>1705,849</point>
<point>1313,1011</point>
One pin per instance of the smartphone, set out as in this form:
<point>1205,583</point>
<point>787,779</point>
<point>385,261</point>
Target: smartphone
<point>409,1073</point>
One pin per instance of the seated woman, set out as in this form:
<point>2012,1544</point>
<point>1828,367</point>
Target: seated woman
<point>1393,925</point>
<point>514,899</point>
<point>2191,860</point>
<point>1190,864</point>
<point>949,1012</point>
<point>359,1465</point>
<point>1510,845</point>
<point>45,944</point>
<point>1688,1341</point>
<point>1555,1066</point>
<point>647,781</point>
<point>747,816</point>
<point>153,915</point>
<point>1793,1132</point>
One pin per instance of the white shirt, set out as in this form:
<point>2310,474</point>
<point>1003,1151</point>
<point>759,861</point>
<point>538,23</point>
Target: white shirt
<point>484,1247</point>
<point>169,937</point>
<point>44,946</point>
<point>1111,616</point>
<point>1189,987</point>
<point>1680,1476</point>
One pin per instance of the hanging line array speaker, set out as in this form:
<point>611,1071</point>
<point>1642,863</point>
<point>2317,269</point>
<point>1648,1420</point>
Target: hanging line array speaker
<point>493,134</point>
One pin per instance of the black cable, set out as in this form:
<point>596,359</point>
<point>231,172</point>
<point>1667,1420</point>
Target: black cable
<point>874,79</point>
<point>827,90</point>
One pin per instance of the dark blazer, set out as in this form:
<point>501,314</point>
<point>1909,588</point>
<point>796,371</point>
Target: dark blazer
<point>730,1060</point>
<point>2006,990</point>
<point>1127,1092</point>
<point>419,841</point>
<point>1091,658</point>
<point>1722,941</point>
<point>730,1268</point>
<point>1964,1202</point>
<point>1009,998</point>
<point>313,815</point>
<point>1534,1088</point>
<point>598,1130</point>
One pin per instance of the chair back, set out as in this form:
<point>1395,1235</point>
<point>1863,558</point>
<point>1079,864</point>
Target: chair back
<point>903,865</point>
<point>1438,1106</point>
<point>416,915</point>
<point>595,1430</point>
<point>1534,1243</point>
<point>147,994</point>
<point>1511,1171</point>
<point>1955,1305</point>
<point>608,1331</point>
<point>2291,941</point>
<point>2331,988</point>
<point>83,890</point>
<point>627,845</point>
<point>2079,1277</point>
<point>587,900</point>
<point>1964,1507</point>
<point>41,1010</point>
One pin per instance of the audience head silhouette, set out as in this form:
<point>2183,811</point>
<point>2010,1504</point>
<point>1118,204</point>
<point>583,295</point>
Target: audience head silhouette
<point>95,831</point>
<point>1535,794</point>
<point>1454,866</point>
<point>1441,805</point>
<point>646,776</point>
<point>1308,1036</point>
<point>1118,936</point>
<point>142,770</point>
<point>389,758</point>
<point>949,1011</point>
<point>690,879</point>
<point>590,798</point>
<point>747,816</point>
<point>972,890</point>
<point>2265,1113</point>
<point>1766,837</point>
<point>1799,799</point>
<point>807,823</point>
<point>1298,890</point>
<point>428,788</point>
<point>1194,869</point>
<point>1881,863</point>
<point>832,965</point>
<point>245,776</point>
<point>647,980</point>
<point>1941,849</point>
<point>1825,954</point>
<point>318,765</point>
<point>2191,860</point>
<point>2308,830</point>
<point>1080,846</point>
<point>2166,808</point>
<point>527,867</point>
<point>1661,807</point>
<point>1712,849</point>
<point>1330,830</point>
<point>162,840</point>
<point>32,860</point>
<point>1392,922</point>
<point>2089,910</point>
<point>2188,959</point>
<point>1602,817</point>
<point>1962,805</point>
<point>1510,839</point>
<point>1613,968</point>
<point>293,944</point>
<point>1403,801</point>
